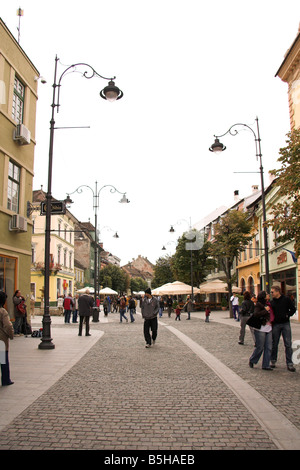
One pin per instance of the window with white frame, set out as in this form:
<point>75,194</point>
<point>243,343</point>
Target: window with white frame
<point>13,188</point>
<point>59,254</point>
<point>18,101</point>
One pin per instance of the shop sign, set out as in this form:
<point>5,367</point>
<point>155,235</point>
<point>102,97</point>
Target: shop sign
<point>282,258</point>
<point>57,207</point>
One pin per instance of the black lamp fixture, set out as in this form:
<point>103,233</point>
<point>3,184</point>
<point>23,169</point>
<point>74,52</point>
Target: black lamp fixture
<point>217,147</point>
<point>110,93</point>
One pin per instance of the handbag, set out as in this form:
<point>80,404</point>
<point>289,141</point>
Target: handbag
<point>21,307</point>
<point>254,322</point>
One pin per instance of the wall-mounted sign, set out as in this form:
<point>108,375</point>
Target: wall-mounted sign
<point>57,207</point>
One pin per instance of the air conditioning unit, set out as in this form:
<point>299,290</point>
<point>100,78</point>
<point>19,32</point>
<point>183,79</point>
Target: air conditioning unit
<point>22,134</point>
<point>18,223</point>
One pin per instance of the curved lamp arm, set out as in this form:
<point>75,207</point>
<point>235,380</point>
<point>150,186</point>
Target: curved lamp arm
<point>111,92</point>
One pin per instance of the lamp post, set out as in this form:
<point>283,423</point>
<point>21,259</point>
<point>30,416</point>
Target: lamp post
<point>189,247</point>
<point>96,195</point>
<point>110,93</point>
<point>218,147</point>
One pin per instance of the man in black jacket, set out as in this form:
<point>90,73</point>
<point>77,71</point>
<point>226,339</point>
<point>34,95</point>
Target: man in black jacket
<point>85,305</point>
<point>149,307</point>
<point>283,309</point>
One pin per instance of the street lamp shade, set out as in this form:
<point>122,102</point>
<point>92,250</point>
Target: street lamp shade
<point>172,229</point>
<point>217,147</point>
<point>111,92</point>
<point>68,200</point>
<point>124,199</point>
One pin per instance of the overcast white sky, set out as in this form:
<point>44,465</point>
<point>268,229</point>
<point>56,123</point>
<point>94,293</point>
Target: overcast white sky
<point>189,69</point>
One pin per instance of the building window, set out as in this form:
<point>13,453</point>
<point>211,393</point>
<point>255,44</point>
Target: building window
<point>251,249</point>
<point>59,255</point>
<point>13,189</point>
<point>18,101</point>
<point>257,245</point>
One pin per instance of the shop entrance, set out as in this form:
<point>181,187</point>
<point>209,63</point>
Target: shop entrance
<point>8,273</point>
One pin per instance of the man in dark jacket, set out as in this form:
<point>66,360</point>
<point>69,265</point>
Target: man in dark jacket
<point>85,305</point>
<point>283,309</point>
<point>150,308</point>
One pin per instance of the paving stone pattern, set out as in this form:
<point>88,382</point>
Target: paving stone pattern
<point>121,395</point>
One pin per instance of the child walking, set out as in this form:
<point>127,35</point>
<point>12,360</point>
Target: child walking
<point>207,313</point>
<point>177,311</point>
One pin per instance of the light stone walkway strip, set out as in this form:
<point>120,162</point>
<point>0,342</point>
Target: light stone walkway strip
<point>284,434</point>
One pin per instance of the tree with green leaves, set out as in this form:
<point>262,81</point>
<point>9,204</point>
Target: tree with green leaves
<point>232,234</point>
<point>114,277</point>
<point>286,213</point>
<point>197,260</point>
<point>138,284</point>
<point>162,271</point>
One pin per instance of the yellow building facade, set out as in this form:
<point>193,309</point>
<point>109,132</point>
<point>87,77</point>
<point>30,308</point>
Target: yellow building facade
<point>18,99</point>
<point>289,72</point>
<point>62,253</point>
<point>248,264</point>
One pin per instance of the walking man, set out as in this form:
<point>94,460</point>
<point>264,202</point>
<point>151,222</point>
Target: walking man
<point>235,306</point>
<point>283,309</point>
<point>150,308</point>
<point>85,305</point>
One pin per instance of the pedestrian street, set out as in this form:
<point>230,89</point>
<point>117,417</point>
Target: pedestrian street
<point>193,390</point>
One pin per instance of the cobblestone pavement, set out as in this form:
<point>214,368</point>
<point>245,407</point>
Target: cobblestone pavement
<point>122,396</point>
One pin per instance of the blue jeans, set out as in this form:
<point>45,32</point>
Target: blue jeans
<point>283,329</point>
<point>122,314</point>
<point>131,311</point>
<point>263,344</point>
<point>67,316</point>
<point>74,316</point>
<point>235,311</point>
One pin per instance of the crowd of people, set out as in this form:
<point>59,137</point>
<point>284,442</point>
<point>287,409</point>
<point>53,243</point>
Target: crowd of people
<point>267,319</point>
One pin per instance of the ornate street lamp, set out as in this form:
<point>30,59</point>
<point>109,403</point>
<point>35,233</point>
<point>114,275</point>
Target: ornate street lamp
<point>217,147</point>
<point>96,196</point>
<point>110,93</point>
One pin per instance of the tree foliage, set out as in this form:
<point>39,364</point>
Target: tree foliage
<point>114,277</point>
<point>232,234</point>
<point>162,271</point>
<point>138,284</point>
<point>200,259</point>
<point>286,214</point>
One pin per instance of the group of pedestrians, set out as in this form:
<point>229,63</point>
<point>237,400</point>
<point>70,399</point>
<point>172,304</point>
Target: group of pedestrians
<point>268,321</point>
<point>68,306</point>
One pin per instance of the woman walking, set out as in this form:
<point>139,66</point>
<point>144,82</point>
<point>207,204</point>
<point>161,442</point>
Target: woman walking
<point>6,333</point>
<point>262,332</point>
